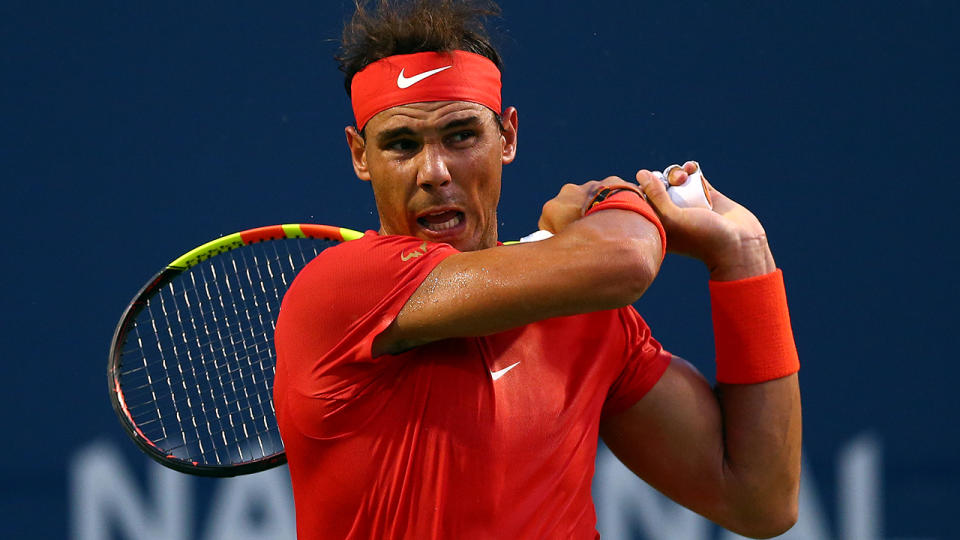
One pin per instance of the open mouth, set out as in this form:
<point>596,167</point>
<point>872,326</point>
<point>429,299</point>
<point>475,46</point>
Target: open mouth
<point>441,221</point>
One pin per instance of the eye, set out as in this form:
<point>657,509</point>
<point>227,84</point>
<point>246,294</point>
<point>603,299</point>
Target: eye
<point>461,137</point>
<point>401,145</point>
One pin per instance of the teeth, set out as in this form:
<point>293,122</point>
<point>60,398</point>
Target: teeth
<point>449,224</point>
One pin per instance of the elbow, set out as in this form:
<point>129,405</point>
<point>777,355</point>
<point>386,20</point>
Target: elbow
<point>770,521</point>
<point>636,265</point>
<point>771,529</point>
<point>618,259</point>
<point>788,521</point>
<point>616,268</point>
<point>622,273</point>
<point>787,517</point>
<point>774,528</point>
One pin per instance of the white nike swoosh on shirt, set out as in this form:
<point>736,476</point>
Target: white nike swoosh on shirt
<point>500,373</point>
<point>407,82</point>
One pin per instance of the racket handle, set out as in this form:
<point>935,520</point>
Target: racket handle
<point>536,236</point>
<point>691,194</point>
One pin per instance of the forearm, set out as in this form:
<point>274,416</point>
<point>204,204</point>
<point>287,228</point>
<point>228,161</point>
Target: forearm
<point>758,390</point>
<point>750,257</point>
<point>731,454</point>
<point>761,454</point>
<point>630,262</point>
<point>602,261</point>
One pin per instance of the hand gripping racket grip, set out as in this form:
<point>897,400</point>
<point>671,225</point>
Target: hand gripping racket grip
<point>691,194</point>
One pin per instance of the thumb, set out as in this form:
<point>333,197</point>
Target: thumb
<point>656,192</point>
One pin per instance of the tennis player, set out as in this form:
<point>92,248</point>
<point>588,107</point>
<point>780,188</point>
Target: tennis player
<point>433,384</point>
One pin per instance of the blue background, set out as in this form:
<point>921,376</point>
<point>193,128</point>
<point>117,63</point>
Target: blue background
<point>131,133</point>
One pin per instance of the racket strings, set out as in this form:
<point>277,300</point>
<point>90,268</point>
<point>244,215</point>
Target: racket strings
<point>255,346</point>
<point>197,369</point>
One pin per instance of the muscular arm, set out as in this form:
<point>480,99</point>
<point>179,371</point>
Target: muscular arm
<point>731,454</point>
<point>603,261</point>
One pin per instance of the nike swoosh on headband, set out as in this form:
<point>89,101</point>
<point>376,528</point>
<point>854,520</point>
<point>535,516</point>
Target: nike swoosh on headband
<point>407,82</point>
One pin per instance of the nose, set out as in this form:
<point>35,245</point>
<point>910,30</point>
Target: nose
<point>433,171</point>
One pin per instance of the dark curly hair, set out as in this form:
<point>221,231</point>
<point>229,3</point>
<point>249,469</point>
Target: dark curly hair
<point>398,27</point>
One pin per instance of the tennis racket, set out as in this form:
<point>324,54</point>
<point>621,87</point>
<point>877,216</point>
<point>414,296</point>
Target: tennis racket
<point>192,360</point>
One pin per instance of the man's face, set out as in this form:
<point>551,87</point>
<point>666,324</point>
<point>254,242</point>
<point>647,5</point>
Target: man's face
<point>435,170</point>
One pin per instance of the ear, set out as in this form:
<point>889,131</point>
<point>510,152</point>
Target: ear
<point>358,153</point>
<point>509,135</point>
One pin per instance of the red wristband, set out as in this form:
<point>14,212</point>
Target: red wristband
<point>751,329</point>
<point>623,198</point>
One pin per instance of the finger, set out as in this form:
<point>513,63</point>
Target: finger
<point>613,181</point>
<point>579,192</point>
<point>570,187</point>
<point>676,175</point>
<point>591,188</point>
<point>544,226</point>
<point>544,222</point>
<point>655,191</point>
<point>697,174</point>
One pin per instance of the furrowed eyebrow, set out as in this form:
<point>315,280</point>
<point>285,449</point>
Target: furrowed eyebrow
<point>462,122</point>
<point>389,134</point>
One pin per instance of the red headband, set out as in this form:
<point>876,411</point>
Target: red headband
<point>426,76</point>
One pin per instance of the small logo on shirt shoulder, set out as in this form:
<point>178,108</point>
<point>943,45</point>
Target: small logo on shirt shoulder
<point>414,253</point>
